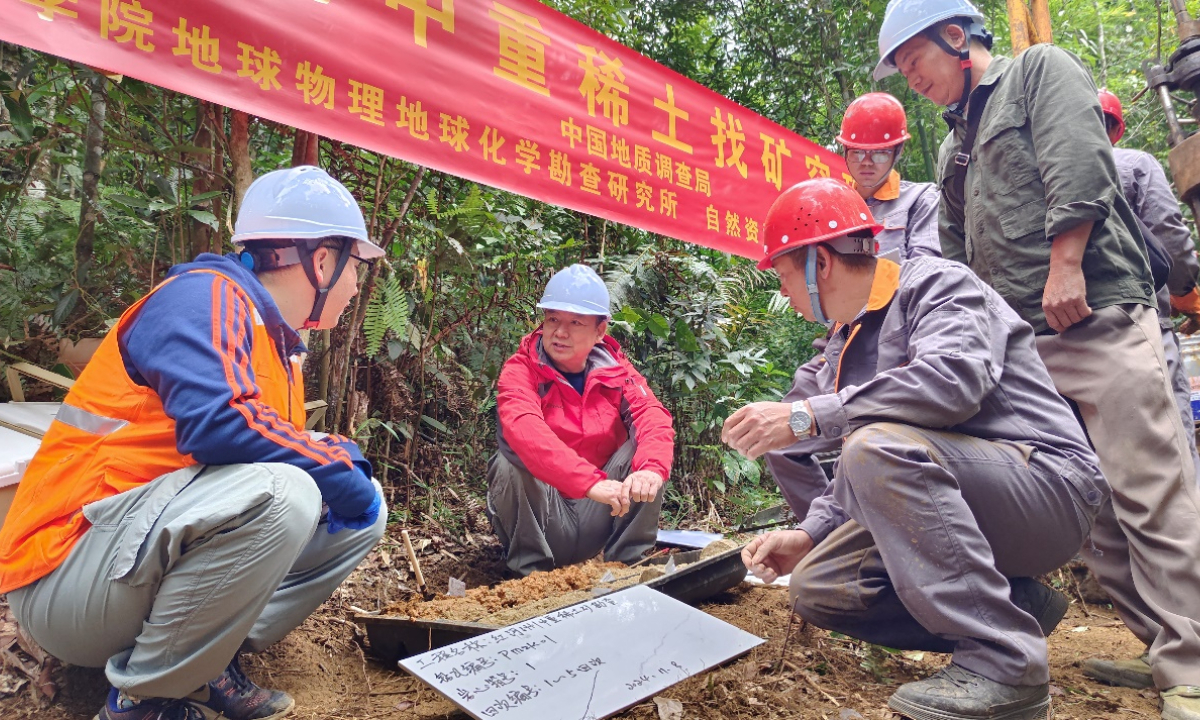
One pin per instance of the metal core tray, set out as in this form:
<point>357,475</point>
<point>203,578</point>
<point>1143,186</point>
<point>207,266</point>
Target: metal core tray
<point>396,637</point>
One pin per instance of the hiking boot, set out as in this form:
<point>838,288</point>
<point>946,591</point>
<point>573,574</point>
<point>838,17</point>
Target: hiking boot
<point>120,706</point>
<point>1181,702</point>
<point>955,693</point>
<point>234,697</point>
<point>1133,673</point>
<point>1047,605</point>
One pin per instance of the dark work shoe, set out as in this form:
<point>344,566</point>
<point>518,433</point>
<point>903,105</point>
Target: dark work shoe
<point>955,693</point>
<point>1133,673</point>
<point>126,707</point>
<point>1047,605</point>
<point>234,697</point>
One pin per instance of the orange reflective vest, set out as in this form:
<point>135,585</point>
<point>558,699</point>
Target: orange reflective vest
<point>111,435</point>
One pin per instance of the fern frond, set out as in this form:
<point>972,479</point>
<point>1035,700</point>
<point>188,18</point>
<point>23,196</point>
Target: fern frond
<point>386,312</point>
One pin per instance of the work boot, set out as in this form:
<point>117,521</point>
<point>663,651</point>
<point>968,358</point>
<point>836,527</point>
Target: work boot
<point>1047,605</point>
<point>1181,702</point>
<point>1133,673</point>
<point>955,693</point>
<point>234,697</point>
<point>120,706</point>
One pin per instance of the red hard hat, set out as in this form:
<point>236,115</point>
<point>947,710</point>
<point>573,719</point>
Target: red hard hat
<point>811,212</point>
<point>873,122</point>
<point>1111,105</point>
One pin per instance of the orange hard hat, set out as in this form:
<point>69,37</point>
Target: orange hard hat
<point>873,122</point>
<point>816,211</point>
<point>1111,105</point>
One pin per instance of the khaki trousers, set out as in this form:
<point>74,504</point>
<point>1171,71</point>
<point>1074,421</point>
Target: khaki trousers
<point>541,530</point>
<point>1145,547</point>
<point>175,576</point>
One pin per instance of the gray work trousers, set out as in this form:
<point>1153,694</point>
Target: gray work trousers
<point>1145,547</point>
<point>542,530</point>
<point>175,576</point>
<point>796,471</point>
<point>1173,354</point>
<point>940,521</point>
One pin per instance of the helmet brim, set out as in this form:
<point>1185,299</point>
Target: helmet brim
<point>769,261</point>
<point>368,250</point>
<point>851,145</point>
<point>571,308</point>
<point>884,68</point>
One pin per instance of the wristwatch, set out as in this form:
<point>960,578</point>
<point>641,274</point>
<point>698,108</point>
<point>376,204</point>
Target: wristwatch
<point>800,420</point>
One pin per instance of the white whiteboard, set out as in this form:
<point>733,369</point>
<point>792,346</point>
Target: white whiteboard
<point>585,662</point>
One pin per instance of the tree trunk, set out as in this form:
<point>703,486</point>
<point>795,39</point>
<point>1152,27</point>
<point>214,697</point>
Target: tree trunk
<point>217,118</point>
<point>339,371</point>
<point>1041,21</point>
<point>1020,26</point>
<point>239,155</point>
<point>305,148</point>
<point>199,233</point>
<point>93,165</point>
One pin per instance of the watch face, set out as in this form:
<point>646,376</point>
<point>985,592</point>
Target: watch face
<point>800,422</point>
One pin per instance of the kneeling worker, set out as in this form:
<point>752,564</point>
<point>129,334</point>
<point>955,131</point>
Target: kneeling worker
<point>173,515</point>
<point>874,131</point>
<point>585,447</point>
<point>963,472</point>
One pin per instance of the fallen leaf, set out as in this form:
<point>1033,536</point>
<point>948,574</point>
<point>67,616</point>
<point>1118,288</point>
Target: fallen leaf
<point>1081,628</point>
<point>668,709</point>
<point>405,704</point>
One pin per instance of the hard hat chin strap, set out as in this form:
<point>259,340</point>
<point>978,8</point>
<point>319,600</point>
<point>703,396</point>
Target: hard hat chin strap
<point>964,59</point>
<point>307,248</point>
<point>814,293</point>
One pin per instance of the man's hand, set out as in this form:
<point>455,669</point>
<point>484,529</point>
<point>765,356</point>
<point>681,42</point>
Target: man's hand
<point>612,493</point>
<point>643,485</point>
<point>758,428</point>
<point>1065,298</point>
<point>776,553</point>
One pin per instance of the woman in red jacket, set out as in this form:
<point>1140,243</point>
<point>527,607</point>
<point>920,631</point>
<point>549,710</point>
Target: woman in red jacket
<point>585,447</point>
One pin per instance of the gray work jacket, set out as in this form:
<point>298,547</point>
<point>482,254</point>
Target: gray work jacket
<point>937,348</point>
<point>1041,165</point>
<point>1149,193</point>
<point>908,213</point>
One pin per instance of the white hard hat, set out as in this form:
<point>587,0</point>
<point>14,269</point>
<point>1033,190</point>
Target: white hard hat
<point>905,19</point>
<point>576,289</point>
<point>302,203</point>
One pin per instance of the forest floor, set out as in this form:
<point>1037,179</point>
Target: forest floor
<point>800,672</point>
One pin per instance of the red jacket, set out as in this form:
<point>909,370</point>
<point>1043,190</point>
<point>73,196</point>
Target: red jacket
<point>564,439</point>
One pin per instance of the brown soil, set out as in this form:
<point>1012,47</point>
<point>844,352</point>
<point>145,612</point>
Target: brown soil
<point>800,673</point>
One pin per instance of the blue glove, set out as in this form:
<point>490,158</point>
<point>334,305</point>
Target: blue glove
<point>360,522</point>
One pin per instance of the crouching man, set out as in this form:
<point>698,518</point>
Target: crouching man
<point>585,447</point>
<point>963,472</point>
<point>175,512</point>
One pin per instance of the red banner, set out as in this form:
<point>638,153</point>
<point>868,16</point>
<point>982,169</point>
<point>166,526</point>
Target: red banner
<point>509,93</point>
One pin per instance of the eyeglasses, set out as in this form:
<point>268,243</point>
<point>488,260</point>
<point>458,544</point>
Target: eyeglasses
<point>363,263</point>
<point>878,157</point>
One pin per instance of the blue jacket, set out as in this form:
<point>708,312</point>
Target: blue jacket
<point>181,344</point>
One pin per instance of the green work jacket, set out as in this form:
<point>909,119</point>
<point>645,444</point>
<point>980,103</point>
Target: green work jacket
<point>1042,164</point>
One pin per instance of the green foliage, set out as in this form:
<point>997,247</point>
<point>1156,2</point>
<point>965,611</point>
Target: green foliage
<point>387,312</point>
<point>467,263</point>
